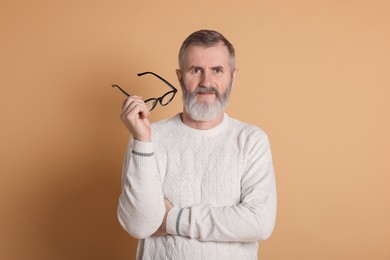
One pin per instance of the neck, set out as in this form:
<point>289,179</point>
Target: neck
<point>201,125</point>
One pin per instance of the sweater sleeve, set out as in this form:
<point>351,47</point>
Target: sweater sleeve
<point>141,206</point>
<point>251,220</point>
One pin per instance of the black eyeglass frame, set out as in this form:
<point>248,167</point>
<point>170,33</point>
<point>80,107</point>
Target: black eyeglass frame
<point>154,100</point>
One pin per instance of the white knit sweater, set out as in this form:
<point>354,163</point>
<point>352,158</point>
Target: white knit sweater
<point>220,181</point>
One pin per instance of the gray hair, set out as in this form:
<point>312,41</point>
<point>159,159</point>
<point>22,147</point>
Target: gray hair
<point>207,38</point>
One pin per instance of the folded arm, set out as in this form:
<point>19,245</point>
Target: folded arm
<point>251,220</point>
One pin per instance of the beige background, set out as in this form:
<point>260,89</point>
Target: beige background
<point>313,74</point>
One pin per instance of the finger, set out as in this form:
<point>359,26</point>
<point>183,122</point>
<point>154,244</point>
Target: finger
<point>132,102</point>
<point>135,109</point>
<point>138,112</point>
<point>130,99</point>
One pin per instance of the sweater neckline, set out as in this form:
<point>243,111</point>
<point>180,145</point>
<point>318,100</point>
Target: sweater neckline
<point>215,130</point>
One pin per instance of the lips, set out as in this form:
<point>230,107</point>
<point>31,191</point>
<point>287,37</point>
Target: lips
<point>206,93</point>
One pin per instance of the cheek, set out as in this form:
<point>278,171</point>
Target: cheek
<point>191,84</point>
<point>226,83</point>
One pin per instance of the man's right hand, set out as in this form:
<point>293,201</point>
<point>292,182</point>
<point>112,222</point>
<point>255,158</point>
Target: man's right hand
<point>162,230</point>
<point>134,116</point>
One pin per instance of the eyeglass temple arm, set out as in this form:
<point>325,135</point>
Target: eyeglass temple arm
<point>124,92</point>
<point>164,80</point>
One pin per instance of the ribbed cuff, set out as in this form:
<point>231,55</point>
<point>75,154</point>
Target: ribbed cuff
<point>177,221</point>
<point>142,151</point>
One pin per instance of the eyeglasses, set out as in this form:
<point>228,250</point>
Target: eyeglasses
<point>152,102</point>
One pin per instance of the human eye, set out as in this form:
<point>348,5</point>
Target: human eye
<point>196,70</point>
<point>218,70</point>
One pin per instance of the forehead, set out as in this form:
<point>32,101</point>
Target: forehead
<point>216,55</point>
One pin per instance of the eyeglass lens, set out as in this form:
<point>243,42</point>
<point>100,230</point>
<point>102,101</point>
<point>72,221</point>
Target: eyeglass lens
<point>164,100</point>
<point>150,104</point>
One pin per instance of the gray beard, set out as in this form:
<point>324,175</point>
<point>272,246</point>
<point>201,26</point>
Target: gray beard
<point>200,111</point>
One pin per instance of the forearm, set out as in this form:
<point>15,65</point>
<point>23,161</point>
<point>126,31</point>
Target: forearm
<point>241,223</point>
<point>252,219</point>
<point>141,206</point>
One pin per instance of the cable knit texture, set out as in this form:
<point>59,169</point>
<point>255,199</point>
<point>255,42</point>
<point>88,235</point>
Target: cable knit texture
<point>220,181</point>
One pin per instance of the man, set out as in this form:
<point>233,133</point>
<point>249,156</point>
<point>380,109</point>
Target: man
<point>200,185</point>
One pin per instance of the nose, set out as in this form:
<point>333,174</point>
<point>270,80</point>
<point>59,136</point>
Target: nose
<point>205,80</point>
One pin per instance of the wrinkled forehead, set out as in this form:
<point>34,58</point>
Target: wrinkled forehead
<point>200,55</point>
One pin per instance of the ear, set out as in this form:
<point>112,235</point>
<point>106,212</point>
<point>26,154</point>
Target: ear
<point>179,77</point>
<point>234,76</point>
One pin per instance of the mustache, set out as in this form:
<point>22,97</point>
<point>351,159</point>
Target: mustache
<point>206,90</point>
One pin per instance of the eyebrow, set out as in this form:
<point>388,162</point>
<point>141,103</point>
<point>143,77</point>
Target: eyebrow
<point>198,67</point>
<point>194,67</point>
<point>217,67</point>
